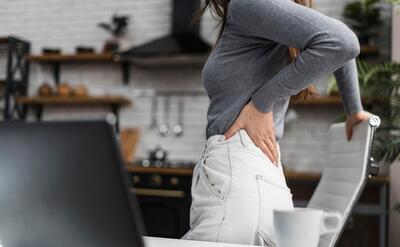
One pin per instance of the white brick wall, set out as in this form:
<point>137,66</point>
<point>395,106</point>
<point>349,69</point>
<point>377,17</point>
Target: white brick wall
<point>68,23</point>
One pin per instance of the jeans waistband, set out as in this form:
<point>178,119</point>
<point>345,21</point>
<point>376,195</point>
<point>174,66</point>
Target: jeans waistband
<point>240,136</point>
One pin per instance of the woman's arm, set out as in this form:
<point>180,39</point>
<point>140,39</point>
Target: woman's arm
<point>326,44</point>
<point>347,80</point>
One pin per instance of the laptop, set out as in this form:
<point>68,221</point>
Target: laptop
<point>63,184</point>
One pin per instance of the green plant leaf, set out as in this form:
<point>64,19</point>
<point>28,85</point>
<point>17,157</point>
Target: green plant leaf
<point>395,105</point>
<point>382,81</point>
<point>363,16</point>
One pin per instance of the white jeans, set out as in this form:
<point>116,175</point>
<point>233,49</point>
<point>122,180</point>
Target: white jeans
<point>235,188</point>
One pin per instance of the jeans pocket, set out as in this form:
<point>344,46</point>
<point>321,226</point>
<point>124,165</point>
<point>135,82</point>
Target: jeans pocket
<point>215,171</point>
<point>271,196</point>
<point>265,239</point>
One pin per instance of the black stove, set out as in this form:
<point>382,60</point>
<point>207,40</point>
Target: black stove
<point>165,163</point>
<point>164,196</point>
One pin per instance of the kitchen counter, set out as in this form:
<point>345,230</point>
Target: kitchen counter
<point>290,175</point>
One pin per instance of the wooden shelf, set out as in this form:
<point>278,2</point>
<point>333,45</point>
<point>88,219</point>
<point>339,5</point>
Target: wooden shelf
<point>64,101</point>
<point>168,61</point>
<point>319,101</point>
<point>56,59</point>
<point>2,85</point>
<point>38,103</point>
<point>96,57</point>
<point>290,175</point>
<point>326,100</point>
<point>2,89</point>
<point>183,60</point>
<point>369,50</point>
<point>3,40</point>
<point>162,61</point>
<point>147,170</point>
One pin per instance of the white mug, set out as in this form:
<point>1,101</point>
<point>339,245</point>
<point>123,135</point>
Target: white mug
<point>302,227</point>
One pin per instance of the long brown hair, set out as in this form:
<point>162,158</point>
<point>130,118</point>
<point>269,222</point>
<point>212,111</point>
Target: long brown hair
<point>219,9</point>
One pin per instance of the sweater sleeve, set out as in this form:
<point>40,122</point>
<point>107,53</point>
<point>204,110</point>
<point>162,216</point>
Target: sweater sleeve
<point>325,44</point>
<point>347,80</point>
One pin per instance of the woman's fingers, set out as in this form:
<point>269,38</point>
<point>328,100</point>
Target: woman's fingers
<point>260,128</point>
<point>265,149</point>
<point>349,132</point>
<point>270,142</point>
<point>271,137</point>
<point>354,119</point>
<point>231,131</point>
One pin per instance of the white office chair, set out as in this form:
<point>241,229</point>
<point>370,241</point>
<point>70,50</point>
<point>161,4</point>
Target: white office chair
<point>348,166</point>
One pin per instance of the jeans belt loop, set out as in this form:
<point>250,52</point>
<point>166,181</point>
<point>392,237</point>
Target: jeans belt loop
<point>203,159</point>
<point>242,138</point>
<point>204,150</point>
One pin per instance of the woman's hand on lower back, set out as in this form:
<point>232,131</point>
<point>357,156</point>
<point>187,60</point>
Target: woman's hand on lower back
<point>260,128</point>
<point>353,119</point>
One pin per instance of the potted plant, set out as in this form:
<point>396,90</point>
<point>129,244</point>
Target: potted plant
<point>117,28</point>
<point>364,17</point>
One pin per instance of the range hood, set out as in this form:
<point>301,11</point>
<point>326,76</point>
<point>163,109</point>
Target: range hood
<point>183,41</point>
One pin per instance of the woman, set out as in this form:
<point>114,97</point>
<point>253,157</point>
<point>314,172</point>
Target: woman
<point>267,51</point>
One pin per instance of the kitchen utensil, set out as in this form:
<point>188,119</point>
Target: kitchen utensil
<point>129,141</point>
<point>154,108</point>
<point>178,128</point>
<point>158,154</point>
<point>164,127</point>
<point>302,227</point>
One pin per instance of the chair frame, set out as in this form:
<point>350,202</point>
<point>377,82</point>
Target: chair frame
<point>372,170</point>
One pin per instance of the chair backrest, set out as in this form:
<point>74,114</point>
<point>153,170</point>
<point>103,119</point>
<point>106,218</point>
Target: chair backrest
<point>348,165</point>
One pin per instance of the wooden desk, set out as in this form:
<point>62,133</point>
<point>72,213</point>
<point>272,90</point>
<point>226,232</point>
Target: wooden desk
<point>170,242</point>
<point>38,103</point>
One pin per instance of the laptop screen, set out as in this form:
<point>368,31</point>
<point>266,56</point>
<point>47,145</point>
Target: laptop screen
<point>62,184</point>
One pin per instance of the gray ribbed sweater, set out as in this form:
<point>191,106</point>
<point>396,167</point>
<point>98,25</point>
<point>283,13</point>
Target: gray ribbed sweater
<point>250,61</point>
